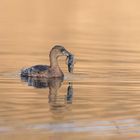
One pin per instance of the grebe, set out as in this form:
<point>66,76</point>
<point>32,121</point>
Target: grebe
<point>51,71</point>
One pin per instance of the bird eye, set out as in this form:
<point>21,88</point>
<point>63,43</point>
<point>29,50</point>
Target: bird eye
<point>62,50</point>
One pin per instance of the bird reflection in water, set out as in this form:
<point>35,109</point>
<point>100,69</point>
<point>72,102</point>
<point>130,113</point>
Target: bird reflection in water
<point>57,102</point>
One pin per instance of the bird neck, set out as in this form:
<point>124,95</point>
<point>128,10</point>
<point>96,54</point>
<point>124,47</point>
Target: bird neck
<point>53,60</point>
<point>54,67</point>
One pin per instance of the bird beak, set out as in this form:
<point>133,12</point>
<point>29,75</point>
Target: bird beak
<point>66,53</point>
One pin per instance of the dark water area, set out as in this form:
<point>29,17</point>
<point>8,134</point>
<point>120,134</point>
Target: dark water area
<point>101,100</point>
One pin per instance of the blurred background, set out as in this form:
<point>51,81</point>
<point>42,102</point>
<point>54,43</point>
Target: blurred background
<point>104,36</point>
<point>31,27</point>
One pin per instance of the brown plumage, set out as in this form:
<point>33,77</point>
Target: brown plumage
<point>48,71</point>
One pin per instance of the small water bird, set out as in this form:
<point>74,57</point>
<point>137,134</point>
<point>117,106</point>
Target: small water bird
<point>52,71</point>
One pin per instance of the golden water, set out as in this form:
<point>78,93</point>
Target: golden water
<point>105,38</point>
